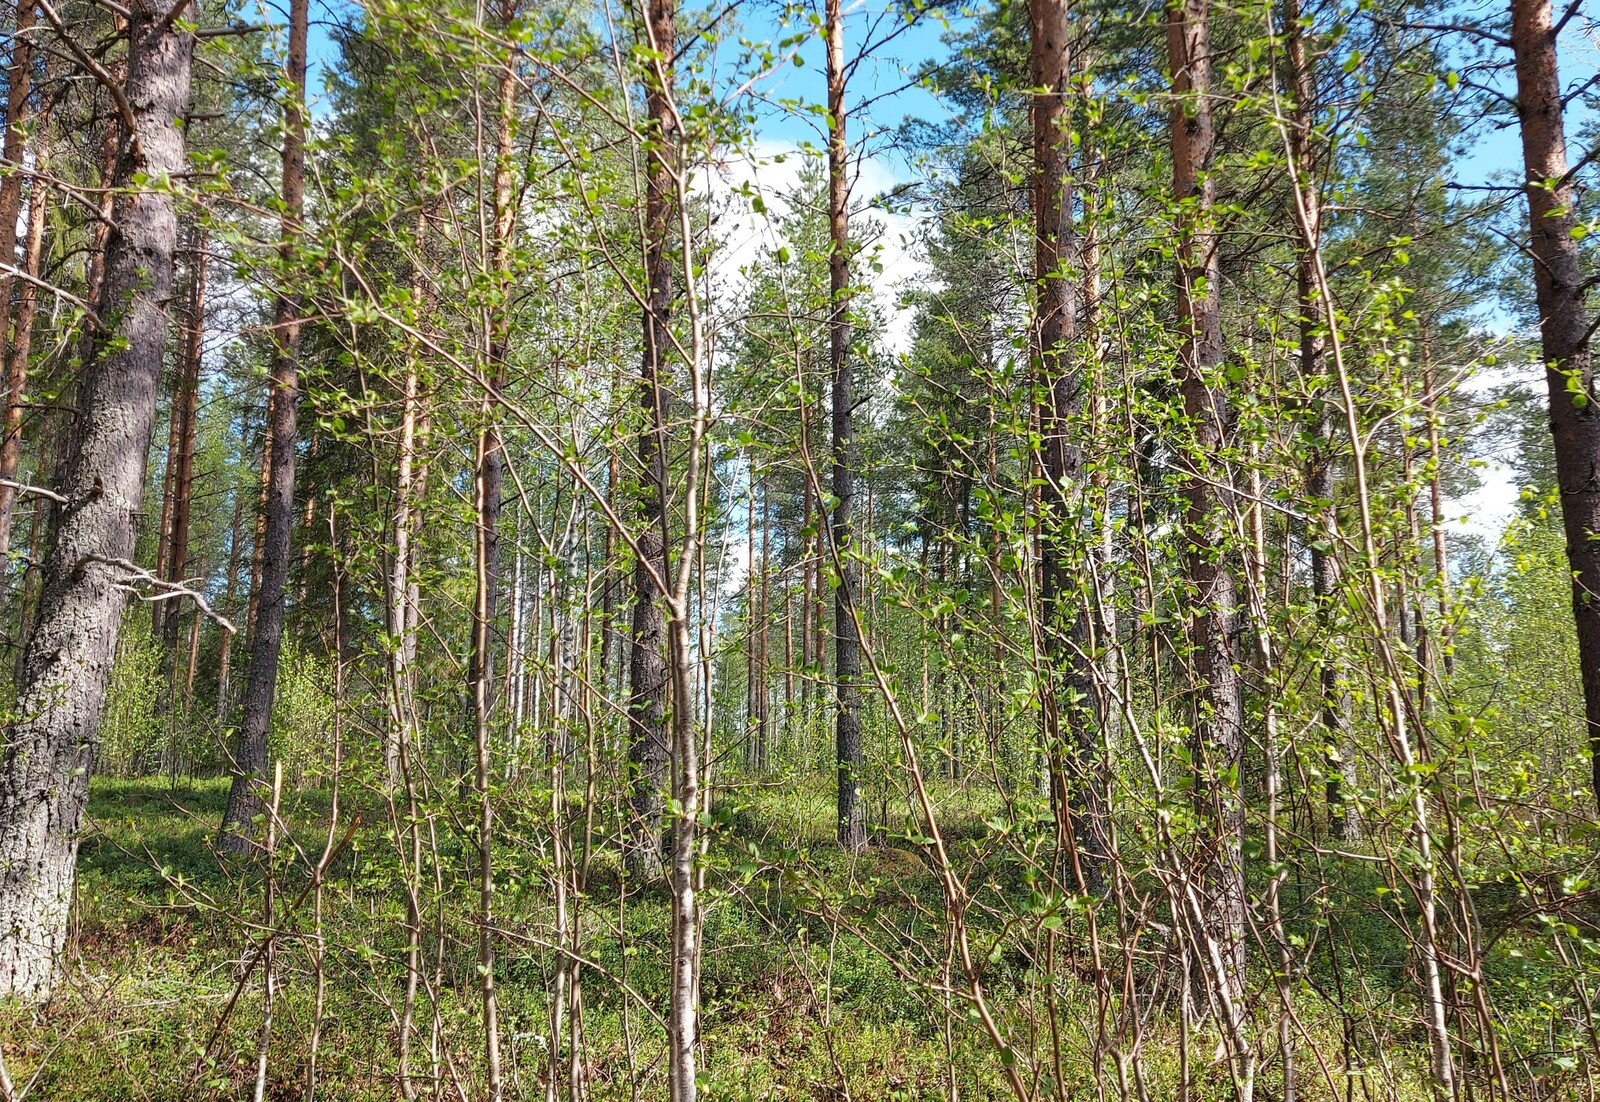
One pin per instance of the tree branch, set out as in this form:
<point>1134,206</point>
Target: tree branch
<point>1462,28</point>
<point>11,270</point>
<point>36,491</point>
<point>1566,17</point>
<point>166,591</point>
<point>1580,90</point>
<point>236,29</point>
<point>124,109</point>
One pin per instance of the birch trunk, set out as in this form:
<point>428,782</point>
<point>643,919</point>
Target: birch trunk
<point>852,818</point>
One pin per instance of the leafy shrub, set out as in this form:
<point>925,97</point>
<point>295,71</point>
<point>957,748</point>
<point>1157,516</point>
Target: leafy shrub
<point>133,733</point>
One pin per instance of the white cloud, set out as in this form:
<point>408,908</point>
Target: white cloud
<point>772,171</point>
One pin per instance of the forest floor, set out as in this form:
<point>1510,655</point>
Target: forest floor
<point>818,983</point>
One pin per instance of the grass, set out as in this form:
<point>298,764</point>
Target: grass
<point>821,979</point>
<point>161,927</point>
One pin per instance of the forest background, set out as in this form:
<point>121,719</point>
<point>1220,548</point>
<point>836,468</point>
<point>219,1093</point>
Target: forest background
<point>1041,550</point>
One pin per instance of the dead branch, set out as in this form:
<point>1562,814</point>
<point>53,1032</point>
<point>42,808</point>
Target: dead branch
<point>36,491</point>
<point>165,591</point>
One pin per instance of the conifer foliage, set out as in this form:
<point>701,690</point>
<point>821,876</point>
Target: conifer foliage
<point>1028,550</point>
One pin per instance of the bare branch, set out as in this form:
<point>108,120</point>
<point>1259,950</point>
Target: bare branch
<point>36,491</point>
<point>165,591</point>
<point>1580,90</point>
<point>112,85</point>
<point>236,29</point>
<point>10,270</point>
<point>172,16</point>
<point>1464,29</point>
<point>114,8</point>
<point>1566,17</point>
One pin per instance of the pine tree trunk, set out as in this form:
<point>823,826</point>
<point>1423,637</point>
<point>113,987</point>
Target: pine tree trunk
<point>19,108</point>
<point>28,595</point>
<point>158,610</point>
<point>47,520</point>
<point>187,400</point>
<point>1440,660</point>
<point>752,746</point>
<point>1564,334</point>
<point>50,749</point>
<point>1071,736</point>
<point>1217,742</point>
<point>788,660</point>
<point>852,819</point>
<point>763,722</point>
<point>808,606</point>
<point>259,524</point>
<point>308,491</point>
<point>1344,820</point>
<point>247,794</point>
<point>94,285</point>
<point>20,348</point>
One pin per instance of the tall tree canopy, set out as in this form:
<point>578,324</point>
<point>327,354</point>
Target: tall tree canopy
<point>648,550</point>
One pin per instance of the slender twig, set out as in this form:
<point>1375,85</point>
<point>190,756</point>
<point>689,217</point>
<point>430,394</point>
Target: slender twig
<point>272,936</point>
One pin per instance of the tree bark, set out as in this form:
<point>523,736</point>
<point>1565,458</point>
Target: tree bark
<point>609,575</point>
<point>247,794</point>
<point>1563,333</point>
<point>400,611</point>
<point>852,817</point>
<point>50,748</point>
<point>1344,820</point>
<point>225,648</point>
<point>1439,659</point>
<point>489,488</point>
<point>1071,735</point>
<point>19,108</point>
<point>664,201</point>
<point>259,525</point>
<point>1217,739</point>
<point>48,519</point>
<point>158,610</point>
<point>752,707</point>
<point>192,662</point>
<point>20,349</point>
<point>187,400</point>
<point>808,606</point>
<point>648,750</point>
<point>764,614</point>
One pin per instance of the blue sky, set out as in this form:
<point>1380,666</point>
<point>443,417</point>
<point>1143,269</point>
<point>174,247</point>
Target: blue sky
<point>883,77</point>
<point>886,80</point>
